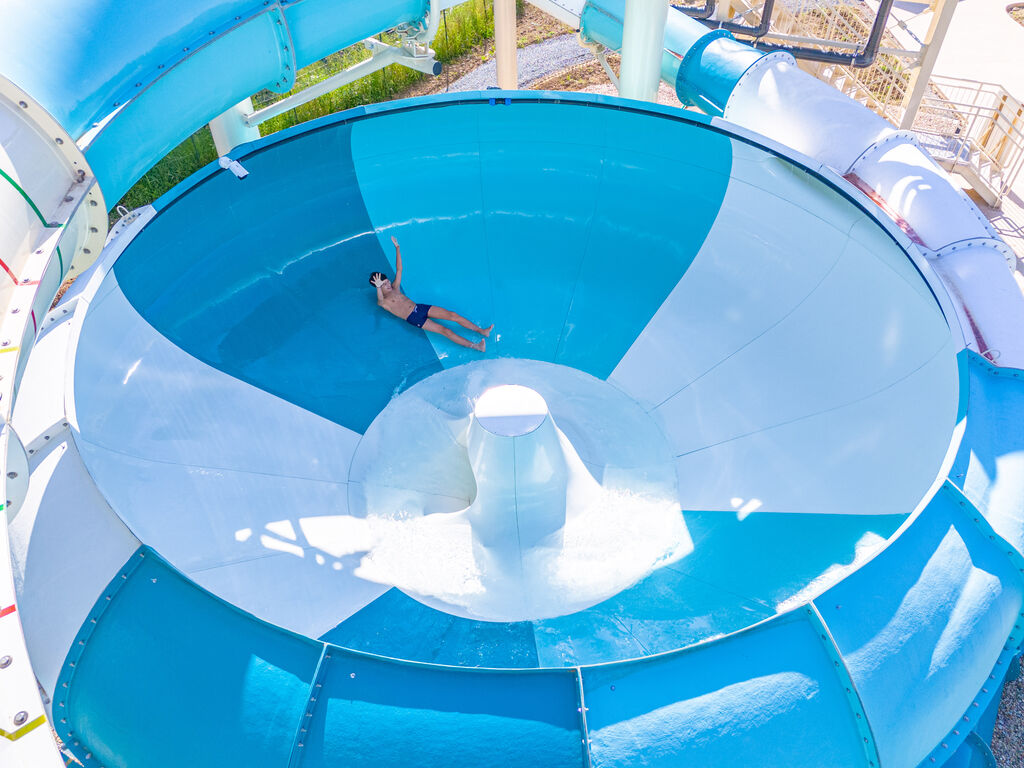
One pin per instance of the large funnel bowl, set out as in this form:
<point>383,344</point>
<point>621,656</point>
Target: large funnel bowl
<point>719,542</point>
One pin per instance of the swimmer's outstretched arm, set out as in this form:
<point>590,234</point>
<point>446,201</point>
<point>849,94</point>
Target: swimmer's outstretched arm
<point>398,265</point>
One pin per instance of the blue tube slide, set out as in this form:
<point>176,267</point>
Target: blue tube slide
<point>160,74</point>
<point>157,73</point>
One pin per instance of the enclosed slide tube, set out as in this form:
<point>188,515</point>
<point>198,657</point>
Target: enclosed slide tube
<point>91,97</point>
<point>769,95</point>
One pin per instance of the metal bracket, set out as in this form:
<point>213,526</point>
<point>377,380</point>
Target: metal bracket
<point>599,52</point>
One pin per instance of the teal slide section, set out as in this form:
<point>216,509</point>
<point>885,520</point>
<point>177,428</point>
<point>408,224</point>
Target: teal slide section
<point>286,296</point>
<point>880,663</point>
<point>222,689</point>
<point>283,298</point>
<point>165,69</point>
<point>373,712</point>
<point>945,592</point>
<point>989,468</point>
<point>225,689</point>
<point>738,574</point>
<point>492,224</point>
<point>744,700</point>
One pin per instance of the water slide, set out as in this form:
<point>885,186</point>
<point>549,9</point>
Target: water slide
<point>736,482</point>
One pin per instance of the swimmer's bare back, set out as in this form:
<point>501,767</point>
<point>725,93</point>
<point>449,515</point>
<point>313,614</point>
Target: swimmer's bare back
<point>425,316</point>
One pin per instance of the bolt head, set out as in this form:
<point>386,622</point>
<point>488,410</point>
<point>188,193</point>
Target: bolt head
<point>21,718</point>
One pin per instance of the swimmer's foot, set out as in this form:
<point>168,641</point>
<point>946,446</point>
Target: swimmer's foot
<point>487,331</point>
<point>481,346</point>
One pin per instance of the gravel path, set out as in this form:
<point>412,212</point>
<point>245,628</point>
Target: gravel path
<point>1008,735</point>
<point>534,62</point>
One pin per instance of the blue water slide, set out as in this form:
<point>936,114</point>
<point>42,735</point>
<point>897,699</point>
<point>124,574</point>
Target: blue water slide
<point>848,590</point>
<point>832,620</point>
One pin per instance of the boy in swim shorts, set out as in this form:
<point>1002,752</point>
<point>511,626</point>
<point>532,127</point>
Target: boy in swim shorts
<point>391,298</point>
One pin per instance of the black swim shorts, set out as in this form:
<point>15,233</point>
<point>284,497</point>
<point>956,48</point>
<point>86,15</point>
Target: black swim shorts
<point>418,316</point>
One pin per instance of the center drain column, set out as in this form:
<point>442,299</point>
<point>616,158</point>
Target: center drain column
<point>521,475</point>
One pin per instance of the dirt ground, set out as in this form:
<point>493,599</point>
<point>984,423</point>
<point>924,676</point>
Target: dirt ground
<point>533,26</point>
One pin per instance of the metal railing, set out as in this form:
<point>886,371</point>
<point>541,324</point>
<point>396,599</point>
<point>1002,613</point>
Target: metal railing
<point>840,28</point>
<point>975,129</point>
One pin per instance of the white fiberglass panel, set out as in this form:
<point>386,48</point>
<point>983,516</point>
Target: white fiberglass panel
<point>66,546</point>
<point>787,314</point>
<point>138,394</point>
<point>169,438</point>
<point>876,455</point>
<point>779,100</point>
<point>777,236</point>
<point>908,180</point>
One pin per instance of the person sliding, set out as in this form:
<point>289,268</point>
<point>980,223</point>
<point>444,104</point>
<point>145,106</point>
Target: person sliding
<point>391,298</point>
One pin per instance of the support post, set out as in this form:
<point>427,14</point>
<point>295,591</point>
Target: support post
<point>230,129</point>
<point>920,75</point>
<point>505,44</point>
<point>643,40</point>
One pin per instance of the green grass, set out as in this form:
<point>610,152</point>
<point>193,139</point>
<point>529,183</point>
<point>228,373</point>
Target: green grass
<point>462,28</point>
<point>180,163</point>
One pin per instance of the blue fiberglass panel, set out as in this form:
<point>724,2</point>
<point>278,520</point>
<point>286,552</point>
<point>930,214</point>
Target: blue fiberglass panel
<point>536,215</point>
<point>165,656</point>
<point>273,289</point>
<point>739,572</point>
<point>667,610</point>
<point>435,214</point>
<point>662,185</point>
<point>920,627</point>
<point>395,625</point>
<point>244,61</point>
<point>773,556</point>
<point>541,181</point>
<point>765,697</point>
<point>42,40</point>
<point>133,46</point>
<point>321,27</point>
<point>371,712</point>
<point>990,465</point>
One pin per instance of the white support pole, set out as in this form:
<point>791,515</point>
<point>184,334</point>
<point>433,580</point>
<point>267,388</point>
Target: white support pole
<point>230,129</point>
<point>505,44</point>
<point>942,15</point>
<point>643,39</point>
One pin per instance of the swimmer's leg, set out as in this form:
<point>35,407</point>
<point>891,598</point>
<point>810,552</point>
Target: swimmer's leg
<point>448,333</point>
<point>446,314</point>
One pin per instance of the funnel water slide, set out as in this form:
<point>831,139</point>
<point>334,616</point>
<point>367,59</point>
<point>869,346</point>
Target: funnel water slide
<point>729,487</point>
